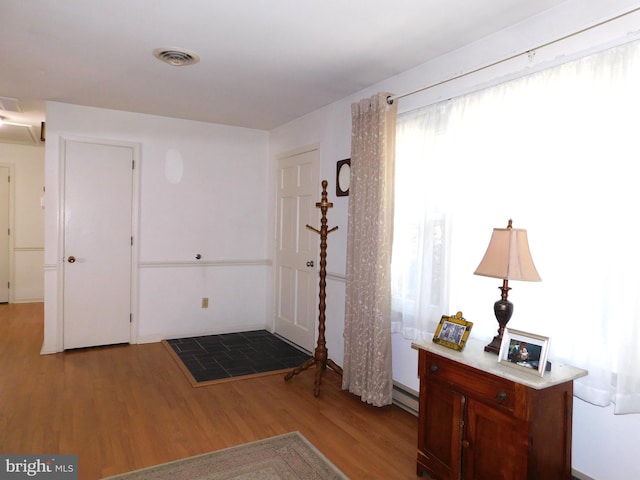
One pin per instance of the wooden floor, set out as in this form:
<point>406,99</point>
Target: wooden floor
<point>126,407</point>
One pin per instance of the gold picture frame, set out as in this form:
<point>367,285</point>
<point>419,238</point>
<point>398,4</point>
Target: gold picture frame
<point>453,332</point>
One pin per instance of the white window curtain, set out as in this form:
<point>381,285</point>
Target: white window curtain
<point>557,151</point>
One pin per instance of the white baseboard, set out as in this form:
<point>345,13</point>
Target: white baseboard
<point>150,339</point>
<point>215,331</point>
<point>48,349</point>
<point>28,300</point>
<point>141,339</point>
<point>580,475</point>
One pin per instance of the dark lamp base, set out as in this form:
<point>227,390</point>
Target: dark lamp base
<point>494,346</point>
<point>503,309</point>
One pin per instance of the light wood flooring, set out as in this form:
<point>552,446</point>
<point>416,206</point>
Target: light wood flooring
<point>126,407</point>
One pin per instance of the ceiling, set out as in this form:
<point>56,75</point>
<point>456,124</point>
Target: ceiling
<point>262,62</point>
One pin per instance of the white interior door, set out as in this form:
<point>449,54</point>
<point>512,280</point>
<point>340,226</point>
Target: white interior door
<point>4,234</point>
<point>98,199</point>
<point>297,248</point>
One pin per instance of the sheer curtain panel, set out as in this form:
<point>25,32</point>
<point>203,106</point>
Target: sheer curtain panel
<point>557,152</point>
<point>367,332</point>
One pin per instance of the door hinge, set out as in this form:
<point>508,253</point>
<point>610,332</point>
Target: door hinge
<point>8,231</point>
<point>133,164</point>
<point>130,318</point>
<point>132,241</point>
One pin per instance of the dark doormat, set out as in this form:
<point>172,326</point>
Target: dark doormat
<point>213,359</point>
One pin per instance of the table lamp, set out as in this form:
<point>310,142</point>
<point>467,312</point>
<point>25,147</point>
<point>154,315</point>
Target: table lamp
<point>507,257</point>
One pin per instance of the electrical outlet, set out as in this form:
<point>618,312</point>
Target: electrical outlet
<point>205,302</point>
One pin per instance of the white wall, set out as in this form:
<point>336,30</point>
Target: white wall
<point>27,255</point>
<point>330,127</point>
<point>215,209</point>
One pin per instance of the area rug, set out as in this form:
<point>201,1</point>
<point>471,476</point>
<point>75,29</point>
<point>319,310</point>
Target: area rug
<point>211,359</point>
<point>285,457</point>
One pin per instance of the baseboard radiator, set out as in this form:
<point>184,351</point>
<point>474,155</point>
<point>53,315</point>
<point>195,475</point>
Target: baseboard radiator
<point>405,398</point>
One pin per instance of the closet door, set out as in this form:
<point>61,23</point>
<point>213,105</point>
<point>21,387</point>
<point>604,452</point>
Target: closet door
<point>97,262</point>
<point>297,248</point>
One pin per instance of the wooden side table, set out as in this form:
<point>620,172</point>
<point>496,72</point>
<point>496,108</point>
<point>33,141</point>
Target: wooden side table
<point>480,419</point>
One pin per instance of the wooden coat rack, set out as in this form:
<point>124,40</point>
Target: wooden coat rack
<point>321,357</point>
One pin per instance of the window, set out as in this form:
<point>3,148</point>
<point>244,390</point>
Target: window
<point>557,152</point>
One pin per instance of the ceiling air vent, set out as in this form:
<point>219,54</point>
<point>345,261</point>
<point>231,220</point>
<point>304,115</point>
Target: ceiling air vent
<point>10,104</point>
<point>178,57</point>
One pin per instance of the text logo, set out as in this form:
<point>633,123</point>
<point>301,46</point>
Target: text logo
<point>44,467</point>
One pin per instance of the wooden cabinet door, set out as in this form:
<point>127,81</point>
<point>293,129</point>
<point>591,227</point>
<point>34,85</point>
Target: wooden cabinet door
<point>440,431</point>
<point>495,444</point>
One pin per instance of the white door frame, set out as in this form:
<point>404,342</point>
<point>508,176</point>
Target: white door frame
<point>11,206</point>
<point>135,209</point>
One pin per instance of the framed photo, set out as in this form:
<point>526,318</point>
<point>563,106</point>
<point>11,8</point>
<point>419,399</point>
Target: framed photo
<point>452,332</point>
<point>343,175</point>
<point>525,351</point>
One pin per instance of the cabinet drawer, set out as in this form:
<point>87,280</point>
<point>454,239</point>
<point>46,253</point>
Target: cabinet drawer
<point>468,381</point>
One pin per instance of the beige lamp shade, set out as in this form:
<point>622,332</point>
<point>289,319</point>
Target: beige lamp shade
<point>508,257</point>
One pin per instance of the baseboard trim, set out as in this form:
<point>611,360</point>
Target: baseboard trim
<point>580,475</point>
<point>48,349</point>
<point>142,339</point>
<point>29,300</point>
<point>214,331</point>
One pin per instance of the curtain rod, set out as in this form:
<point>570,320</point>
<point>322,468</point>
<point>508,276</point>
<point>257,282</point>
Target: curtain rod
<point>531,51</point>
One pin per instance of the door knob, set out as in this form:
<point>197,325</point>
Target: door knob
<point>71,259</point>
<point>310,263</point>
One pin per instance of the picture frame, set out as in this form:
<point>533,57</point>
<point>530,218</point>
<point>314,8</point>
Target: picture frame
<point>343,175</point>
<point>525,351</point>
<point>453,332</point>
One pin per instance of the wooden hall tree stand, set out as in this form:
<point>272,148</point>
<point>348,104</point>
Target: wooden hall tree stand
<point>321,357</point>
